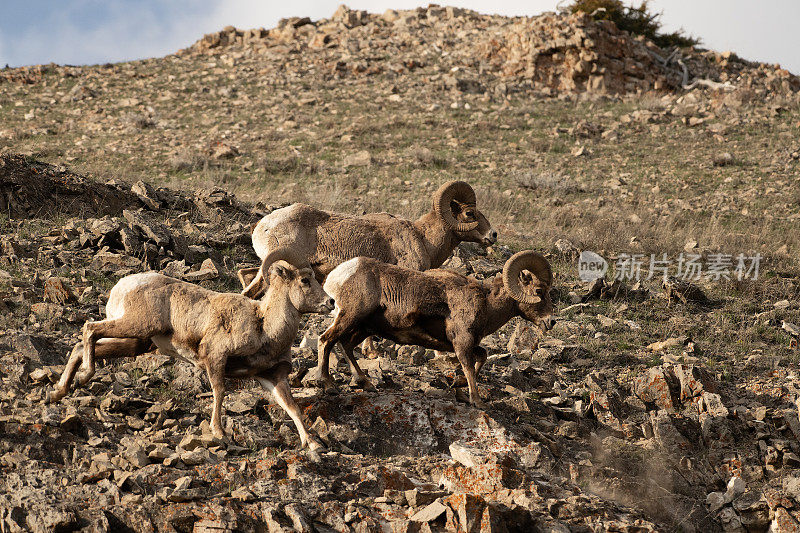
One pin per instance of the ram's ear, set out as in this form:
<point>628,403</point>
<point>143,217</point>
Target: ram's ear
<point>282,271</point>
<point>247,275</point>
<point>523,273</point>
<point>464,211</point>
<point>256,288</point>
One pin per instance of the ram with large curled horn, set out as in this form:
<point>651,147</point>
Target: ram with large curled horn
<point>327,239</point>
<point>437,309</point>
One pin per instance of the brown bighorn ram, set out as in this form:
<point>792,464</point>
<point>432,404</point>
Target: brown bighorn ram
<point>227,335</point>
<point>328,239</point>
<point>438,309</point>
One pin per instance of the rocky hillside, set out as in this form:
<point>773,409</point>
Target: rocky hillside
<point>648,407</point>
<point>551,54</point>
<point>568,443</point>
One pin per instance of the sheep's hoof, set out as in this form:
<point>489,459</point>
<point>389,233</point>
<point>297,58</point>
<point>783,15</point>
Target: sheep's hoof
<point>315,444</point>
<point>315,378</point>
<point>363,383</point>
<point>83,377</point>
<point>218,433</point>
<point>326,383</point>
<point>313,456</point>
<point>54,396</point>
<point>479,404</point>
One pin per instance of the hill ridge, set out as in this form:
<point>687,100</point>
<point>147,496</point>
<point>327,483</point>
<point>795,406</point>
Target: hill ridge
<point>553,53</point>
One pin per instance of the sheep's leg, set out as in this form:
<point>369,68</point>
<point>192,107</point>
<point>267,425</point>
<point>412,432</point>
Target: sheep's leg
<point>279,388</point>
<point>323,372</point>
<point>327,340</point>
<point>87,364</point>
<point>464,352</point>
<point>119,328</point>
<point>357,376</point>
<point>480,358</point>
<point>216,376</point>
<point>104,349</point>
<point>62,387</point>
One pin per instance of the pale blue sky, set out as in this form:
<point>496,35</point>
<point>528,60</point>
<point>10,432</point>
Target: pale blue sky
<point>98,31</point>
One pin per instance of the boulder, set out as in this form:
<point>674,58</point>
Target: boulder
<point>59,291</point>
<point>654,387</point>
<point>430,513</point>
<point>150,228</point>
<point>525,337</point>
<point>358,159</point>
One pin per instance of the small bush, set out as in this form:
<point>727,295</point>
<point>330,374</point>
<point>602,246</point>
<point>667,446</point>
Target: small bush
<point>635,20</point>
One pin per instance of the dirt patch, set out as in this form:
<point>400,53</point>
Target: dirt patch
<point>31,189</point>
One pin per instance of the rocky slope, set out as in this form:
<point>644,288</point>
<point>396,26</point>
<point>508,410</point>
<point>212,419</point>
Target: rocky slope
<point>567,443</point>
<point>645,408</point>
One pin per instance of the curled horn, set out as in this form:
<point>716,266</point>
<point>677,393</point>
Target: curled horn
<point>454,190</point>
<point>284,253</point>
<point>526,260</point>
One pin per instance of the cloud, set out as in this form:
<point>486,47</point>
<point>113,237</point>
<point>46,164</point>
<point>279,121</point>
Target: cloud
<point>90,31</point>
<point>120,32</point>
<point>766,35</point>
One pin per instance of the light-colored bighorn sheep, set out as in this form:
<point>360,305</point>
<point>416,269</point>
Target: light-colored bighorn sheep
<point>328,239</point>
<point>438,309</point>
<point>227,335</point>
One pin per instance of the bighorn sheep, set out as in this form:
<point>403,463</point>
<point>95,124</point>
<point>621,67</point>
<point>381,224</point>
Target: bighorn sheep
<point>227,335</point>
<point>438,309</point>
<point>328,239</point>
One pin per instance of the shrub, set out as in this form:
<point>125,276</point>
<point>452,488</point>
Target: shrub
<point>636,20</point>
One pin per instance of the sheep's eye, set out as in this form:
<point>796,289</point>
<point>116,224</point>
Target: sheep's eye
<point>305,281</point>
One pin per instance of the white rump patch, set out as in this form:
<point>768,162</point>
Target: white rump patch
<point>116,299</point>
<point>339,275</point>
<point>266,225</point>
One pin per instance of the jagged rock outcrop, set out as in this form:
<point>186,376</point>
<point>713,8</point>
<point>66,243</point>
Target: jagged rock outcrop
<point>549,53</point>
